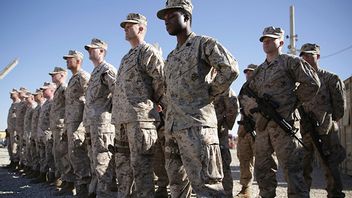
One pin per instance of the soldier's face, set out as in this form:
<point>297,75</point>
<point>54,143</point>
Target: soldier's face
<point>71,63</point>
<point>174,21</point>
<point>55,78</point>
<point>271,45</point>
<point>249,74</point>
<point>95,53</point>
<point>14,96</point>
<point>131,31</point>
<point>312,59</point>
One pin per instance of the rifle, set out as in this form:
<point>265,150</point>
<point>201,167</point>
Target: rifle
<point>309,124</point>
<point>267,108</point>
<point>248,124</point>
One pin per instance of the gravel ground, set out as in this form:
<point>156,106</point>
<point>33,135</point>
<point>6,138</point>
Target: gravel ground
<point>14,185</point>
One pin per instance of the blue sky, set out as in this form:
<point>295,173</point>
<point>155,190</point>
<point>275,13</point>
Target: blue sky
<point>40,32</point>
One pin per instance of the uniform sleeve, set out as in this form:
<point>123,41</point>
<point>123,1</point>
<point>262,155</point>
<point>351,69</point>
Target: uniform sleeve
<point>307,78</point>
<point>84,79</point>
<point>109,78</point>
<point>225,67</point>
<point>154,65</point>
<point>338,97</point>
<point>232,108</point>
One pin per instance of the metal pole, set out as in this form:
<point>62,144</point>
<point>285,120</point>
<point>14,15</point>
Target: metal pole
<point>293,36</point>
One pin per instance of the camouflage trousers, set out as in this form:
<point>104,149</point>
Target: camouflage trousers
<point>332,173</point>
<point>133,158</point>
<point>227,182</point>
<point>14,146</point>
<point>77,152</point>
<point>49,156</point>
<point>41,150</point>
<point>63,166</point>
<point>289,154</point>
<point>33,147</point>
<point>101,136</point>
<point>245,154</point>
<point>9,147</point>
<point>159,160</point>
<point>27,155</point>
<point>193,155</point>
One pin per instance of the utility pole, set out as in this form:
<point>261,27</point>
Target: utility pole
<point>292,36</point>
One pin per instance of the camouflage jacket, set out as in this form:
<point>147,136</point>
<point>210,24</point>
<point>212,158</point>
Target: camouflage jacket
<point>11,117</point>
<point>195,73</point>
<point>57,111</point>
<point>75,96</point>
<point>98,105</point>
<point>28,119</point>
<point>279,80</point>
<point>330,102</point>
<point>20,112</point>
<point>35,119</point>
<point>44,119</point>
<point>227,109</point>
<point>139,86</point>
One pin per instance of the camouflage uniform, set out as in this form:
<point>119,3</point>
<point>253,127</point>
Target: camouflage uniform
<point>27,133</point>
<point>327,107</point>
<point>226,108</point>
<point>98,124</point>
<point>20,113</point>
<point>57,126</point>
<point>77,151</point>
<point>11,123</point>
<point>278,79</point>
<point>138,88</point>
<point>34,146</point>
<point>192,85</point>
<point>45,139</point>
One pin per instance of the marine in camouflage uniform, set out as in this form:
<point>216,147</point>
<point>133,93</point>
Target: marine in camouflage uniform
<point>278,77</point>
<point>75,99</point>
<point>138,88</point>
<point>31,105</point>
<point>11,124</point>
<point>98,116</point>
<point>227,109</point>
<point>47,165</point>
<point>20,113</point>
<point>197,71</point>
<point>34,145</point>
<point>245,147</point>
<point>328,107</point>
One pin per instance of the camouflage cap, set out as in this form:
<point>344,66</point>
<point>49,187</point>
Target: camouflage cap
<point>134,18</point>
<point>73,54</point>
<point>13,91</point>
<point>250,67</point>
<point>28,94</point>
<point>175,4</point>
<point>23,90</point>
<point>57,70</point>
<point>96,43</point>
<point>48,85</point>
<point>310,48</point>
<point>37,91</point>
<point>272,32</point>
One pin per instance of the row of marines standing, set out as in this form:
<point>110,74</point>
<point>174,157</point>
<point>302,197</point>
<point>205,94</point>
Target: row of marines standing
<point>124,109</point>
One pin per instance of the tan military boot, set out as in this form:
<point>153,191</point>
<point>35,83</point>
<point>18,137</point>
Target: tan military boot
<point>245,192</point>
<point>67,189</point>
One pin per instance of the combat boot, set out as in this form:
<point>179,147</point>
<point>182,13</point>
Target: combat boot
<point>14,167</point>
<point>161,192</point>
<point>40,179</point>
<point>82,191</point>
<point>245,192</point>
<point>50,177</point>
<point>67,189</point>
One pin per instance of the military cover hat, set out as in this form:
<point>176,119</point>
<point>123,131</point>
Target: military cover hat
<point>73,54</point>
<point>37,91</point>
<point>175,4</point>
<point>23,90</point>
<point>13,91</point>
<point>57,70</point>
<point>97,43</point>
<point>272,32</point>
<point>134,18</point>
<point>48,85</point>
<point>310,48</point>
<point>250,67</point>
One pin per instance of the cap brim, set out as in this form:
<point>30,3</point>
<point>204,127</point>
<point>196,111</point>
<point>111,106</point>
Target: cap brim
<point>307,52</point>
<point>248,69</point>
<point>123,23</point>
<point>160,14</point>
<point>68,56</point>
<point>268,35</point>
